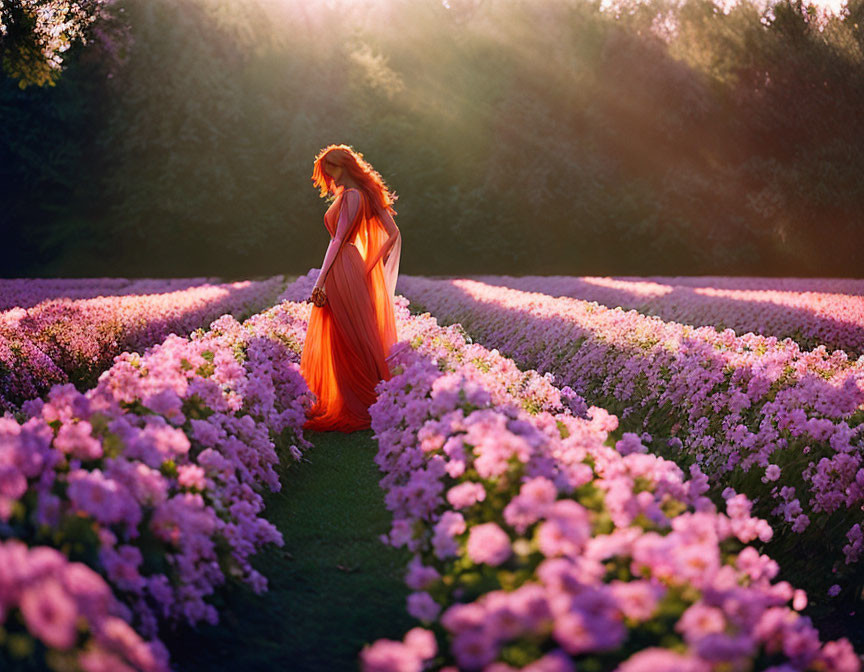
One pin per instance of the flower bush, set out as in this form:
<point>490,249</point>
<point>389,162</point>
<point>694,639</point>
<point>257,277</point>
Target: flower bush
<point>538,545</point>
<point>782,425</point>
<point>155,476</point>
<point>63,614</point>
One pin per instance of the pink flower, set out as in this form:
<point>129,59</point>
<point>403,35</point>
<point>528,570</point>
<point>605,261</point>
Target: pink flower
<point>50,613</point>
<point>88,589</point>
<point>533,501</point>
<point>554,661</point>
<point>539,491</point>
<point>386,655</point>
<point>662,660</point>
<point>637,599</point>
<point>463,617</point>
<point>97,660</point>
<point>77,441</point>
<point>191,476</point>
<point>489,544</point>
<point>116,634</point>
<point>799,601</point>
<point>13,485</point>
<point>839,656</point>
<point>565,530</point>
<point>466,494</point>
<point>700,620</point>
<point>422,642</point>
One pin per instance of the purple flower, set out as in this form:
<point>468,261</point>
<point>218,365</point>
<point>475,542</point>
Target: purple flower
<point>447,528</point>
<point>422,607</point>
<point>474,648</point>
<point>420,576</point>
<point>630,443</point>
<point>579,631</point>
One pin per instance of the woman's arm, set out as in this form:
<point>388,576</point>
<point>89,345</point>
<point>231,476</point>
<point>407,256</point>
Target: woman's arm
<point>392,230</point>
<point>347,210</point>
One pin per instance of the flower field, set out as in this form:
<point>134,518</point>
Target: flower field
<point>812,312</point>
<point>28,292</point>
<point>59,331</point>
<point>575,487</point>
<point>780,424</point>
<point>153,480</point>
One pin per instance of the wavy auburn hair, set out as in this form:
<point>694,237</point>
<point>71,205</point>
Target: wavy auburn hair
<point>352,162</point>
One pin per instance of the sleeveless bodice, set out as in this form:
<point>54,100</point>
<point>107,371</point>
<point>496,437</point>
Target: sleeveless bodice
<point>331,217</point>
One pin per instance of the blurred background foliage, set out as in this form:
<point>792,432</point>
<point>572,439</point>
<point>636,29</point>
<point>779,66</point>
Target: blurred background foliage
<point>522,137</point>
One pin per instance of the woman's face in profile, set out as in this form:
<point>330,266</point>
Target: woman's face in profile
<point>334,170</point>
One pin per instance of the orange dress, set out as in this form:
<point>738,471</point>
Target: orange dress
<point>349,338</point>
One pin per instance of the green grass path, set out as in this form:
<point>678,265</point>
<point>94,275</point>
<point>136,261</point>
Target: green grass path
<point>334,585</point>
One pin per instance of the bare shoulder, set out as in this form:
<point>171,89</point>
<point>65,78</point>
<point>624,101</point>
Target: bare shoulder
<point>355,198</point>
<point>352,202</point>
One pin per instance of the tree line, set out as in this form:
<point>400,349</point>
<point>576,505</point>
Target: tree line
<point>565,137</point>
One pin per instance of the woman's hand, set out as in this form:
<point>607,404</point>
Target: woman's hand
<point>382,259</point>
<point>319,297</point>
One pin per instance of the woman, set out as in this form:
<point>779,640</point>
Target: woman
<point>351,328</point>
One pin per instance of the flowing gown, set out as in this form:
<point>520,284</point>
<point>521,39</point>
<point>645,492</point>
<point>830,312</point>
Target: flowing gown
<point>349,338</point>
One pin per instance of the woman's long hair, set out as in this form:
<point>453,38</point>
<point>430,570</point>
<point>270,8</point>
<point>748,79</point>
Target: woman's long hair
<point>352,162</point>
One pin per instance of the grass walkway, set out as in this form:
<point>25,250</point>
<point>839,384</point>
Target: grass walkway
<point>333,586</point>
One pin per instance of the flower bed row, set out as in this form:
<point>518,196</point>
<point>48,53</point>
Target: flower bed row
<point>28,292</point>
<point>811,312</point>
<point>153,478</point>
<point>539,546</point>
<point>63,340</point>
<point>783,426</point>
